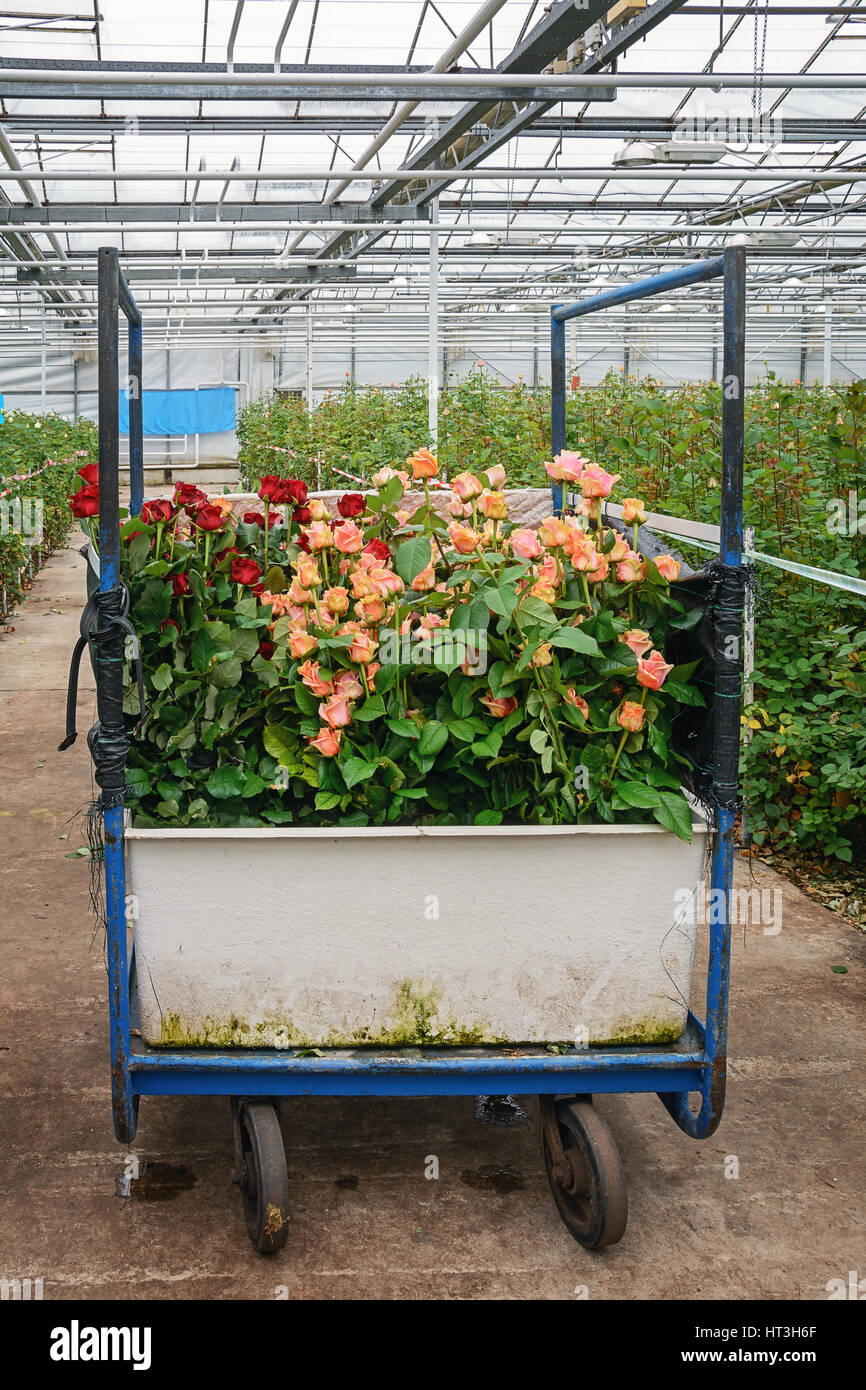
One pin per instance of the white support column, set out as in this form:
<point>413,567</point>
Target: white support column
<point>433,379</point>
<point>828,341</point>
<point>44,364</point>
<point>309,347</point>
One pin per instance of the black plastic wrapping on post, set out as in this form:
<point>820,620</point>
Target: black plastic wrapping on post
<point>107,740</point>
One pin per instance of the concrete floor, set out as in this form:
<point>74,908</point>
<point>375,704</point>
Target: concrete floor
<point>365,1221</point>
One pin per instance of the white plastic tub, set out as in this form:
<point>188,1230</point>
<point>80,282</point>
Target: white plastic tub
<point>402,936</point>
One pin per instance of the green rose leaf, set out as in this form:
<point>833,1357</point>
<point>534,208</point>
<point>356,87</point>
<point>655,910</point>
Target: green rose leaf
<point>411,558</point>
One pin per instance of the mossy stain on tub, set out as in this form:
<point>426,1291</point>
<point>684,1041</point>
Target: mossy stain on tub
<point>416,1018</point>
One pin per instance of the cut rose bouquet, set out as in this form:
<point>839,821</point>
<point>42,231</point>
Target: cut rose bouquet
<point>382,663</point>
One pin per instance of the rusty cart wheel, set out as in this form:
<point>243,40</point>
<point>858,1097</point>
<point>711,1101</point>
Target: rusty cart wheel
<point>262,1176</point>
<point>584,1170</point>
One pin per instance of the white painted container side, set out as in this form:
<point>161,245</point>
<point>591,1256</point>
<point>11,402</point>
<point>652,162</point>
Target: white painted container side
<point>413,935</point>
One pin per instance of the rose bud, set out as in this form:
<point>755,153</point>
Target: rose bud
<point>499,706</point>
<point>180,584</point>
<point>618,550</point>
<point>667,567</point>
<point>266,649</point>
<point>595,482</point>
<point>652,670</point>
<point>496,476</point>
<point>633,510</point>
<point>459,509</point>
<point>494,506</point>
<point>327,741</point>
<point>291,491</point>
<point>639,641</point>
<point>631,569</point>
<point>425,580</point>
<point>308,572</point>
<point>571,697</point>
<point>542,656</point>
<point>584,555</point>
<point>347,683</point>
<point>85,502</point>
<point>566,467</point>
<point>337,600</point>
<point>335,711</point>
<point>463,538</point>
<point>553,532</point>
<point>302,515</point>
<point>301,644</point>
<point>209,518</point>
<point>371,610</point>
<point>383,476</point>
<point>348,538</point>
<point>352,504</point>
<point>245,571</point>
<point>320,535</point>
<point>466,486</point>
<point>631,716</point>
<point>600,573</point>
<point>188,495</point>
<point>90,474</point>
<point>268,484</point>
<point>363,648</point>
<point>525,545</point>
<point>379,550</point>
<point>423,464</point>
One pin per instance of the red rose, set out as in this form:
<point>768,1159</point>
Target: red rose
<point>209,518</point>
<point>85,502</point>
<point>302,542</point>
<point>180,584</point>
<point>379,549</point>
<point>266,649</point>
<point>90,473</point>
<point>352,504</point>
<point>132,535</point>
<point>294,490</point>
<point>302,516</point>
<point>168,622</point>
<point>245,571</point>
<point>257,519</point>
<point>154,512</point>
<point>188,495</point>
<point>268,485</point>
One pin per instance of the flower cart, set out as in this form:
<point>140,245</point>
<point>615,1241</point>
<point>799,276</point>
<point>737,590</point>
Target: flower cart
<point>361,956</point>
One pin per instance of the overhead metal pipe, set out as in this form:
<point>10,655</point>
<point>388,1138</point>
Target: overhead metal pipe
<point>558,174</point>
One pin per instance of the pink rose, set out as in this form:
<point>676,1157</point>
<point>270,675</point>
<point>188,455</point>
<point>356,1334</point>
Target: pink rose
<point>631,569</point>
<point>595,482</point>
<point>337,600</point>
<point>363,648</point>
<point>567,467</point>
<point>335,711</point>
<point>525,545</point>
<point>301,644</point>
<point>348,538</point>
<point>553,532</point>
<point>309,674</point>
<point>466,486</point>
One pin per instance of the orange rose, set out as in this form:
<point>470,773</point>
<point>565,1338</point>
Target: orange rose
<point>320,535</point>
<point>494,506</point>
<point>595,482</point>
<point>347,683</point>
<point>553,532</point>
<point>571,697</point>
<point>639,641</point>
<point>337,600</point>
<point>631,716</point>
<point>633,510</point>
<point>423,464</point>
<point>425,581</point>
<point>668,567</point>
<point>631,569</point>
<point>652,671</point>
<point>363,648</point>
<point>301,644</point>
<point>463,538</point>
<point>327,741</point>
<point>499,706</point>
<point>309,674</point>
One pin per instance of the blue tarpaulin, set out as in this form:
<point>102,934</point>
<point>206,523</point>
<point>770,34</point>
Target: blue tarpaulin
<point>183,412</point>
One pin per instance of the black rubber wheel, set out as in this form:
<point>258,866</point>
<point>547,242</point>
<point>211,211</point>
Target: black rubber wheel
<point>593,1202</point>
<point>264,1182</point>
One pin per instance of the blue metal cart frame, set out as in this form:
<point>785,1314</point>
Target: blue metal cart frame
<point>694,1064</point>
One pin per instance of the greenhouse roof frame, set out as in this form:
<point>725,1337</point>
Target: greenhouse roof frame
<point>215,173</point>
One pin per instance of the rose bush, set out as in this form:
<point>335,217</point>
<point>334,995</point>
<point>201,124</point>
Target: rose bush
<point>378,665</point>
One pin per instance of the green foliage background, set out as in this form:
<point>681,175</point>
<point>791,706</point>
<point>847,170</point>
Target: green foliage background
<point>26,442</point>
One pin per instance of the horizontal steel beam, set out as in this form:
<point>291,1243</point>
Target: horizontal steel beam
<point>190,213</point>
<point>659,173</point>
<point>382,85</point>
